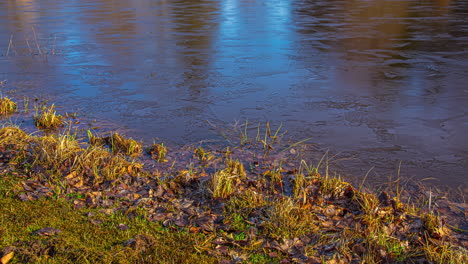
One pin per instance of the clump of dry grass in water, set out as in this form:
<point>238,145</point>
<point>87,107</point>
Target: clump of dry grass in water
<point>7,106</point>
<point>235,167</point>
<point>53,151</point>
<point>246,203</point>
<point>203,155</point>
<point>223,182</point>
<point>47,118</point>
<point>300,183</point>
<point>98,164</point>
<point>95,140</point>
<point>117,143</point>
<point>128,146</point>
<point>158,152</point>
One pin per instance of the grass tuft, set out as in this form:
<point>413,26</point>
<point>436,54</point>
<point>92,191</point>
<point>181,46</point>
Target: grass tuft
<point>158,152</point>
<point>288,220</point>
<point>47,118</point>
<point>203,155</point>
<point>117,143</point>
<point>128,146</point>
<point>12,136</point>
<point>223,182</point>
<point>7,106</point>
<point>434,226</point>
<point>332,187</point>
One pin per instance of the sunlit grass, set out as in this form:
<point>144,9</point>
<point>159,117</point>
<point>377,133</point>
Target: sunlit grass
<point>47,118</point>
<point>158,152</point>
<point>7,106</point>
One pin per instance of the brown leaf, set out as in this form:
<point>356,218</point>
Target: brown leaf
<point>47,231</point>
<point>24,197</point>
<point>71,175</point>
<point>158,217</point>
<point>194,229</point>
<point>220,241</point>
<point>122,226</point>
<point>96,221</point>
<point>181,221</point>
<point>206,222</point>
<point>27,187</point>
<point>222,249</point>
<point>359,249</point>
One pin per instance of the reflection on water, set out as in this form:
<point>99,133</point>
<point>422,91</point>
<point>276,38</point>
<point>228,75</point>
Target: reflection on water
<point>382,80</point>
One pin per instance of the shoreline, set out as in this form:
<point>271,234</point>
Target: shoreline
<point>251,202</point>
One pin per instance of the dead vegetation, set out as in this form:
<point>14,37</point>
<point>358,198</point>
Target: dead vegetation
<point>228,205</point>
<point>117,144</point>
<point>47,118</point>
<point>7,106</point>
<point>158,152</point>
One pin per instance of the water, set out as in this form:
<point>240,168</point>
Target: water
<point>381,81</point>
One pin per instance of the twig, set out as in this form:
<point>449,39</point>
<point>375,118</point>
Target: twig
<point>37,44</point>
<point>29,47</point>
<point>398,191</point>
<point>365,177</point>
<point>430,199</point>
<point>297,143</point>
<point>55,41</point>
<point>10,44</point>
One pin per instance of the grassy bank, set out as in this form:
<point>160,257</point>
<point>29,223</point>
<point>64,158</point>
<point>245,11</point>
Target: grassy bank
<point>71,198</point>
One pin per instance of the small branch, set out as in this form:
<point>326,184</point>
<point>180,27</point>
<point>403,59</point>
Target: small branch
<point>37,44</point>
<point>10,44</point>
<point>55,41</point>
<point>29,47</point>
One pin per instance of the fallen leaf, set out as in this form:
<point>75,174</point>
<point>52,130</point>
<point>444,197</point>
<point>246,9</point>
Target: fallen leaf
<point>47,231</point>
<point>122,226</point>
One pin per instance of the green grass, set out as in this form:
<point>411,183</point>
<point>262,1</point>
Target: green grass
<point>81,241</point>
